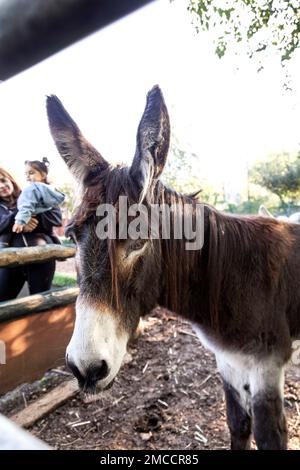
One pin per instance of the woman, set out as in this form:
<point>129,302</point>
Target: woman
<point>38,231</point>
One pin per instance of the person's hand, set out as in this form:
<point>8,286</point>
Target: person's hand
<point>31,225</point>
<point>18,228</point>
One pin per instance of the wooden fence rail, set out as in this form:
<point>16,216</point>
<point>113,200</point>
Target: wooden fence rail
<point>11,257</point>
<point>48,300</point>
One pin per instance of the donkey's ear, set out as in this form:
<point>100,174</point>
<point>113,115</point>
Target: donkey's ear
<point>80,156</point>
<point>263,212</point>
<point>153,138</point>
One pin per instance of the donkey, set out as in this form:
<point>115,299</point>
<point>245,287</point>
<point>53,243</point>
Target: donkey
<point>240,290</point>
<point>293,218</point>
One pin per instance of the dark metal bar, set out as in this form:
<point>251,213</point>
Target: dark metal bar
<point>31,30</point>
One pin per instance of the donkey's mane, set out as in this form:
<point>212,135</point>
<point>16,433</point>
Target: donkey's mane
<point>105,186</point>
<point>242,249</point>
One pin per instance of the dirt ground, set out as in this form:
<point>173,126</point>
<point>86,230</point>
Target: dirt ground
<point>168,395</point>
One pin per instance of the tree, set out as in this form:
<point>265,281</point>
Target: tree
<point>262,24</point>
<point>280,175</point>
<point>69,203</point>
<point>179,173</point>
<point>183,172</point>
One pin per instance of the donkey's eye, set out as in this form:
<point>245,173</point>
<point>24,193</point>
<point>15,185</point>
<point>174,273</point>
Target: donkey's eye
<point>132,248</point>
<point>137,245</point>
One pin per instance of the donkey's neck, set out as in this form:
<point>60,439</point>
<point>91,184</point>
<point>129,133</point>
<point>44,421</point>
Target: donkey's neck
<point>210,286</point>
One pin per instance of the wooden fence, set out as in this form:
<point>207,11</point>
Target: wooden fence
<point>34,330</point>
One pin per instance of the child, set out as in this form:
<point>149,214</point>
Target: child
<point>38,197</point>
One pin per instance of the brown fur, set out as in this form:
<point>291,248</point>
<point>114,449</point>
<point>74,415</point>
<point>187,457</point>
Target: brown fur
<point>237,286</point>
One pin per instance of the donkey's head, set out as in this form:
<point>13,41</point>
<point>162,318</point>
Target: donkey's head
<point>120,279</point>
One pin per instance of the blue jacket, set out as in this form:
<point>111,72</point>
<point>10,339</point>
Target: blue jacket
<point>35,199</point>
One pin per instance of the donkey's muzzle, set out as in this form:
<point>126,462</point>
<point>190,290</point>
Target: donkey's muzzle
<point>93,374</point>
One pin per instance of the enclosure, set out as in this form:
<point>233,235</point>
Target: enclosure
<point>168,394</point>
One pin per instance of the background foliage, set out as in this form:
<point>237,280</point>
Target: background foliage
<point>263,25</point>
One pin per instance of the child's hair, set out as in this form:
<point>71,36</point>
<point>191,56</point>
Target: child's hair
<point>41,166</point>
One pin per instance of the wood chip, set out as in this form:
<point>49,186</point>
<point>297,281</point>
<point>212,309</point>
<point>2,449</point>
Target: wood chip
<point>145,436</point>
<point>163,403</point>
<point>187,333</point>
<point>198,428</point>
<point>83,423</point>
<point>24,399</point>
<point>199,437</point>
<point>118,400</point>
<point>205,380</point>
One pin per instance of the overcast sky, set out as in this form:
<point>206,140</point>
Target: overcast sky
<point>223,110</point>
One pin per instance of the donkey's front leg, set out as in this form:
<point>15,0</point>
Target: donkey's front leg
<point>269,423</point>
<point>238,420</point>
<point>238,401</point>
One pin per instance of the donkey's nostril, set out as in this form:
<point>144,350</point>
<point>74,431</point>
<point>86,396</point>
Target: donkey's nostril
<point>75,371</point>
<point>97,372</point>
<point>89,378</point>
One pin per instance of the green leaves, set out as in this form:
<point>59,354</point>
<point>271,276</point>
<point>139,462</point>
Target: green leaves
<point>221,48</point>
<point>280,175</point>
<point>262,24</point>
